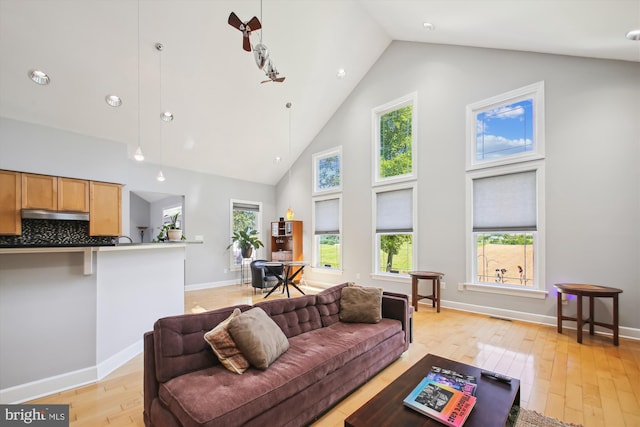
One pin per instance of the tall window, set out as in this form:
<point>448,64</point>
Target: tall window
<point>395,147</point>
<point>244,215</point>
<point>505,228</point>
<point>505,192</point>
<point>507,128</point>
<point>394,230</point>
<point>327,233</point>
<point>327,171</point>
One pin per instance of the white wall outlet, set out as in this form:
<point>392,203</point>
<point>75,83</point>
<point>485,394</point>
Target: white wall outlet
<point>199,238</point>
<point>357,275</point>
<point>443,285</point>
<point>461,286</point>
<point>226,270</point>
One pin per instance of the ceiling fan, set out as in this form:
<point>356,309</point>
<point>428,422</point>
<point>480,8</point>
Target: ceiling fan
<point>246,27</point>
<point>272,73</point>
<point>260,51</point>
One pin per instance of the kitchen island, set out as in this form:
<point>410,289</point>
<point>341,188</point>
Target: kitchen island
<point>71,315</point>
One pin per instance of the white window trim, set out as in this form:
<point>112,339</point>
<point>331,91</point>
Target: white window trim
<point>259,252</point>
<point>539,289</point>
<point>315,255</point>
<point>534,91</point>
<point>410,99</point>
<point>315,159</point>
<point>377,274</point>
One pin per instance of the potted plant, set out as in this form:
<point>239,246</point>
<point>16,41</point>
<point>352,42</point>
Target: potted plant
<point>247,241</point>
<point>170,231</point>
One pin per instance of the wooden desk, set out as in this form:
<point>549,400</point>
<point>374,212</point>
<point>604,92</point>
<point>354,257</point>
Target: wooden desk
<point>493,406</point>
<point>435,285</point>
<point>591,291</point>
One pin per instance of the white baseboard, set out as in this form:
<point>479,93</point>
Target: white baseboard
<point>625,332</point>
<point>46,386</point>
<point>209,285</point>
<point>114,362</point>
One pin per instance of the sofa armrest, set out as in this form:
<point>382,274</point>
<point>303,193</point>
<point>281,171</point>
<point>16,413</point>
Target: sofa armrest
<point>150,383</point>
<point>396,306</point>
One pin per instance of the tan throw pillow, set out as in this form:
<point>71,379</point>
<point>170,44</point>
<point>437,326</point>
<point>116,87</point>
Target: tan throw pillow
<point>225,348</point>
<point>258,337</point>
<point>360,305</point>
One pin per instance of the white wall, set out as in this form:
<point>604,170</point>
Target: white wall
<point>38,149</point>
<point>592,173</point>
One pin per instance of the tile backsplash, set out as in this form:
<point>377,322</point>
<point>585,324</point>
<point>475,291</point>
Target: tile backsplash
<point>41,232</point>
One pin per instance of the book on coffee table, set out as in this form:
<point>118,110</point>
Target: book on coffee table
<point>465,383</point>
<point>440,402</point>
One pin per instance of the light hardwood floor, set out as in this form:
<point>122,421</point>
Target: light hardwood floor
<point>594,383</point>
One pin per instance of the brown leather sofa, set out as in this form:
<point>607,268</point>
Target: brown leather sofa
<point>185,385</point>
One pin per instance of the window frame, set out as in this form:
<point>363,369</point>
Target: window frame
<point>376,113</point>
<point>377,273</point>
<point>315,248</point>
<point>535,92</point>
<point>257,253</point>
<point>538,290</point>
<point>316,158</point>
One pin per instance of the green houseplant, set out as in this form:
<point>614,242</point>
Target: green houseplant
<point>171,231</point>
<point>247,240</point>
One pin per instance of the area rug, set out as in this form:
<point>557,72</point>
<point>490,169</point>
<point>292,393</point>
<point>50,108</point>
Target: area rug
<point>528,418</point>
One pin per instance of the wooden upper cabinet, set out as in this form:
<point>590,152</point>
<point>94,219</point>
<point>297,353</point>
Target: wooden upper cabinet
<point>73,195</point>
<point>105,213</point>
<point>39,192</point>
<point>10,222</point>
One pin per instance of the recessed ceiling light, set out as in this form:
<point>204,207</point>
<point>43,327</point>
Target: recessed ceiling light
<point>167,116</point>
<point>341,73</point>
<point>277,159</point>
<point>40,77</point>
<point>634,35</point>
<point>428,26</point>
<point>113,100</point>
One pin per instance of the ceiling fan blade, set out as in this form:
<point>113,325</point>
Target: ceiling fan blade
<point>246,43</point>
<point>254,24</point>
<point>235,22</point>
<point>265,81</point>
<point>280,79</point>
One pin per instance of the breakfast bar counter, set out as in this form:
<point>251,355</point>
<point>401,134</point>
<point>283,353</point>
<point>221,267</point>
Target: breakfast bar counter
<point>71,315</point>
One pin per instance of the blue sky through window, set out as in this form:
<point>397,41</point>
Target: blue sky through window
<point>505,131</point>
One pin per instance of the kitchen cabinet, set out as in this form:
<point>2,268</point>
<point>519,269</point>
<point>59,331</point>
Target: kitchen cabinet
<point>10,199</point>
<point>286,241</point>
<point>39,192</point>
<point>73,195</point>
<point>105,212</point>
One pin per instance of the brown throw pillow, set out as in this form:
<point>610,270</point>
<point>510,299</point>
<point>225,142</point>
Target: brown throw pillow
<point>258,337</point>
<point>360,305</point>
<point>225,348</point>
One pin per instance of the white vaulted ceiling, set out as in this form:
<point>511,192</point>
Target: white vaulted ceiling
<point>224,116</point>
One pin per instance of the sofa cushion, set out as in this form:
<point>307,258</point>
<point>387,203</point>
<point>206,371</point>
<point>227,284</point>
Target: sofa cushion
<point>215,396</point>
<point>225,347</point>
<point>328,303</point>
<point>361,304</point>
<point>258,337</point>
<point>178,342</point>
<point>294,316</point>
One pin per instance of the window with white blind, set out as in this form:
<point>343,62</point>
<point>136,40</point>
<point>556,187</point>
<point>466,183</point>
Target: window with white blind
<point>394,223</point>
<point>506,221</point>
<point>327,218</point>
<point>244,215</point>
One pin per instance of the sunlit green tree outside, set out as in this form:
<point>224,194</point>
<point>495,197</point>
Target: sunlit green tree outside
<point>396,253</point>
<point>395,142</point>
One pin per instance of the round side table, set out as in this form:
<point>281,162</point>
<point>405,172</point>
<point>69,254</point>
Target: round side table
<point>435,286</point>
<point>591,291</point>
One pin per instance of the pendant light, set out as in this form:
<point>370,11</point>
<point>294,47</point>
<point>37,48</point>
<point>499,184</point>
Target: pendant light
<point>159,47</point>
<point>289,209</point>
<point>138,154</point>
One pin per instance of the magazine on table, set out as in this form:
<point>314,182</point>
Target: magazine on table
<point>465,383</point>
<point>440,402</point>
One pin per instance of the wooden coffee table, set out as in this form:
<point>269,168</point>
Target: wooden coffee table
<point>495,399</point>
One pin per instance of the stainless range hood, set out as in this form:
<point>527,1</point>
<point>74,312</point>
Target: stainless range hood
<point>44,214</point>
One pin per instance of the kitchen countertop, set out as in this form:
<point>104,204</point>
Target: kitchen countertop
<point>93,248</point>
